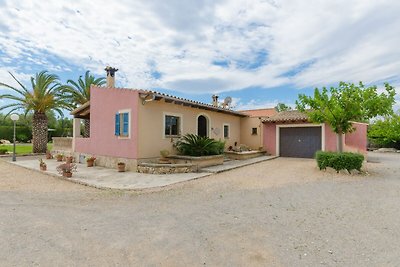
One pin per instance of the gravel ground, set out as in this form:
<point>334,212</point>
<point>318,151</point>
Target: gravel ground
<point>282,212</point>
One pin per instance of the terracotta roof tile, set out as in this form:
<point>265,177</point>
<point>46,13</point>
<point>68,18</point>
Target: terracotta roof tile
<point>193,103</point>
<point>291,115</point>
<point>265,112</point>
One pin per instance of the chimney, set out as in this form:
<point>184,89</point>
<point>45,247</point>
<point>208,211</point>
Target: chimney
<point>110,76</point>
<point>215,100</point>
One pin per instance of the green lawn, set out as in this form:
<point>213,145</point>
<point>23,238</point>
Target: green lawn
<point>22,148</point>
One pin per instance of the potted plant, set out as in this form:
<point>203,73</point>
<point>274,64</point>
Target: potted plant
<point>164,154</point>
<point>59,157</point>
<point>48,155</point>
<point>66,169</point>
<point>90,161</point>
<point>121,166</point>
<point>42,165</point>
<point>69,159</point>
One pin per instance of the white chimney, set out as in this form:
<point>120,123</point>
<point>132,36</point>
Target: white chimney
<point>110,76</point>
<point>215,100</point>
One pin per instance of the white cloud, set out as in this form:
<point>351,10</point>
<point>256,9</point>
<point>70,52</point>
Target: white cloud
<point>340,40</point>
<point>238,104</point>
<point>6,78</point>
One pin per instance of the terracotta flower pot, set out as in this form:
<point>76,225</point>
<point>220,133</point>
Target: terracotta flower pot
<point>121,167</point>
<point>90,163</point>
<point>43,168</point>
<point>49,156</point>
<point>67,174</point>
<point>59,158</point>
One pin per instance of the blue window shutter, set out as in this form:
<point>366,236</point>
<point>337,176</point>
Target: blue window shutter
<point>125,128</point>
<point>117,125</point>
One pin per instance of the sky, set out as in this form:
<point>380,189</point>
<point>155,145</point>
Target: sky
<point>259,52</point>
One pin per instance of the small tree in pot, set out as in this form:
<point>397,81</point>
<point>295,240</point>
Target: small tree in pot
<point>42,165</point>
<point>59,157</point>
<point>90,161</point>
<point>66,169</point>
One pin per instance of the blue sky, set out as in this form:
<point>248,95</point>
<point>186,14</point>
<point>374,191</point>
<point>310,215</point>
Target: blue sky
<point>259,52</point>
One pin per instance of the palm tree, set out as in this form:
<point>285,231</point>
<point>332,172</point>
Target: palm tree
<point>79,93</point>
<point>45,95</point>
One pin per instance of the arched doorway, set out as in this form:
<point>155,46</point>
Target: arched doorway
<point>202,126</point>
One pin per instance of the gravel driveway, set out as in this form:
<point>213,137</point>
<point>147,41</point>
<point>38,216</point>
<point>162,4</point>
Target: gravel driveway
<point>282,212</point>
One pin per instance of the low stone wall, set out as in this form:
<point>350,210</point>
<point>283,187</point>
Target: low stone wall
<point>62,145</point>
<point>199,162</point>
<point>107,161</point>
<point>244,154</point>
<point>155,168</point>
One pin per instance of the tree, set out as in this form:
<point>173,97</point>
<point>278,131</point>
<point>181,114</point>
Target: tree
<point>347,103</point>
<point>282,107</point>
<point>44,96</point>
<point>79,93</point>
<point>386,132</point>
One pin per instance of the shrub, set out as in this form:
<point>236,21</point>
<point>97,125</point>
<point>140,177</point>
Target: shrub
<point>385,133</point>
<point>7,132</point>
<point>195,145</point>
<point>22,138</point>
<point>3,151</point>
<point>339,161</point>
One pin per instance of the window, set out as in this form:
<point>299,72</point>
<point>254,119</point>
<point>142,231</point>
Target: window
<point>122,124</point>
<point>226,131</point>
<point>172,125</point>
<point>254,131</point>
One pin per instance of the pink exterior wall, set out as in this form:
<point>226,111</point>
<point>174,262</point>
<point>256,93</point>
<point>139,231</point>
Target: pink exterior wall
<point>104,104</point>
<point>269,138</point>
<point>357,140</point>
<point>330,139</point>
<point>354,142</point>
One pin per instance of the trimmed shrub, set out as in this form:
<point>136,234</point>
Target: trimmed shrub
<point>3,151</point>
<point>23,133</point>
<point>195,145</point>
<point>339,161</point>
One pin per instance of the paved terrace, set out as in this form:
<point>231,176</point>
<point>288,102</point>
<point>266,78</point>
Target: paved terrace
<point>105,178</point>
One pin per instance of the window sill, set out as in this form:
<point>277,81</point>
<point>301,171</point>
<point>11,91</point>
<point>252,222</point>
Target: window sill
<point>172,136</point>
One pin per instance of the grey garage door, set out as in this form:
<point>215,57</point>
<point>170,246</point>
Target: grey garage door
<point>299,142</point>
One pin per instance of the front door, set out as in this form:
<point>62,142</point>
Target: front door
<point>202,126</point>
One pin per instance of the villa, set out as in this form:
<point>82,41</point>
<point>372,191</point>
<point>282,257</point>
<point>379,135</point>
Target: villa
<point>133,126</point>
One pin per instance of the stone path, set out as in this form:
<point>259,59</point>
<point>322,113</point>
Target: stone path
<point>105,178</point>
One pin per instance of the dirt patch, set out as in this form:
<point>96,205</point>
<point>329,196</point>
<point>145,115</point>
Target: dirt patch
<point>283,212</point>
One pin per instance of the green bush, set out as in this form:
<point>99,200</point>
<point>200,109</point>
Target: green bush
<point>339,161</point>
<point>3,151</point>
<point>194,145</point>
<point>385,133</point>
<point>7,132</point>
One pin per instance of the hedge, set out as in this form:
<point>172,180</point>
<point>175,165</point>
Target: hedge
<point>339,161</point>
<point>23,133</point>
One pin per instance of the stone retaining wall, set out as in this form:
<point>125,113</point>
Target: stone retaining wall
<point>199,162</point>
<point>244,155</point>
<point>154,168</point>
<point>62,144</point>
<point>107,162</point>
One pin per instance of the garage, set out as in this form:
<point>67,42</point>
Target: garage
<point>299,142</point>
